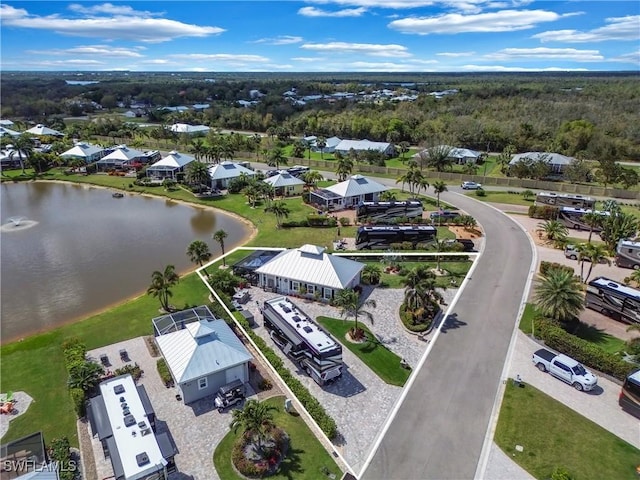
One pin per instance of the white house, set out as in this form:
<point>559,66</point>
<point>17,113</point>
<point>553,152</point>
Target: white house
<point>7,131</point>
<point>556,161</point>
<point>349,193</point>
<point>285,184</point>
<point>88,153</point>
<point>121,157</point>
<point>222,173</point>
<point>309,269</point>
<point>189,129</point>
<point>41,130</point>
<point>169,166</point>
<point>329,147</point>
<point>345,146</point>
<point>201,351</point>
<point>459,156</point>
<point>5,122</point>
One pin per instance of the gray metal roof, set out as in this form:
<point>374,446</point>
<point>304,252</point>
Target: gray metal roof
<point>310,264</point>
<point>283,179</point>
<point>228,170</point>
<point>200,349</point>
<point>551,158</point>
<point>357,185</point>
<point>358,145</point>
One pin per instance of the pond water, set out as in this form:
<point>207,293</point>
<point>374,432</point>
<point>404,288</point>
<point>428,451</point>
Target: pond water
<point>68,250</point>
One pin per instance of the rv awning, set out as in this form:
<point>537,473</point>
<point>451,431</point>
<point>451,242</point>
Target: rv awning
<point>98,418</point>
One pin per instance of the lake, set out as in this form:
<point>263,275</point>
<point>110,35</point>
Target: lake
<point>68,251</point>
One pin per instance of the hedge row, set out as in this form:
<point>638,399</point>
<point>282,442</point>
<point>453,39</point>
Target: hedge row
<point>318,221</point>
<point>60,453</point>
<point>75,352</point>
<point>165,374</point>
<point>315,409</point>
<point>546,266</point>
<point>543,212</point>
<point>583,351</point>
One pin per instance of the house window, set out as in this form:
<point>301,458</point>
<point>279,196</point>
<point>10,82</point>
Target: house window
<point>311,289</point>
<point>202,383</point>
<point>327,293</point>
<point>295,286</point>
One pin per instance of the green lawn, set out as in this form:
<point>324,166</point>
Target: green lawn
<point>382,361</point>
<point>306,460</point>
<point>554,436</point>
<point>35,365</point>
<point>526,321</point>
<point>457,272</point>
<point>496,196</point>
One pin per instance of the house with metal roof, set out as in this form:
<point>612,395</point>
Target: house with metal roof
<point>556,161</point>
<point>309,269</point>
<point>285,184</point>
<point>120,157</point>
<point>201,351</point>
<point>84,151</point>
<point>169,166</point>
<point>7,131</point>
<point>124,421</point>
<point>189,129</point>
<point>345,146</point>
<point>41,130</point>
<point>222,173</point>
<point>349,193</point>
<point>459,156</point>
<point>329,144</point>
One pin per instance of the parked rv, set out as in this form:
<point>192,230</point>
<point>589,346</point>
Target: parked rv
<point>629,398</point>
<point>628,254</point>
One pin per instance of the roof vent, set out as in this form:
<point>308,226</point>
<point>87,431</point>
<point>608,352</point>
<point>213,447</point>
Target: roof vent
<point>129,421</point>
<point>142,459</point>
<point>612,285</point>
<point>118,389</point>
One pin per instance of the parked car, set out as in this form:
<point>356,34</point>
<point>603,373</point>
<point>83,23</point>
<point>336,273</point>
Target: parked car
<point>229,395</point>
<point>565,368</point>
<point>471,186</point>
<point>571,251</point>
<point>444,214</point>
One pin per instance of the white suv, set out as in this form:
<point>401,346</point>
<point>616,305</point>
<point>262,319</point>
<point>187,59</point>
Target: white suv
<point>471,186</point>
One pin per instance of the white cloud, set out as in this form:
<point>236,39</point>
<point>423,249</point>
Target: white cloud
<point>455,54</point>
<point>502,68</point>
<point>449,23</point>
<point>468,6</point>
<point>369,49</point>
<point>632,58</point>
<point>134,27</point>
<point>280,40</point>
<point>222,57</point>
<point>308,59</point>
<point>542,53</point>
<point>93,50</point>
<point>317,12</point>
<point>108,8</point>
<point>75,63</point>
<point>617,28</point>
<point>156,61</point>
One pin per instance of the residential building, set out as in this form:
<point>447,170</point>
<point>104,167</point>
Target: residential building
<point>124,421</point>
<point>201,351</point>
<point>222,173</point>
<point>556,161</point>
<point>285,184</point>
<point>458,156</point>
<point>309,269</point>
<point>7,131</point>
<point>41,130</point>
<point>169,166</point>
<point>345,146</point>
<point>189,129</point>
<point>84,151</point>
<point>347,194</point>
<point>121,157</point>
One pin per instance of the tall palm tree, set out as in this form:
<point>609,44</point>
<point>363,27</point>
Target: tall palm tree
<point>554,230</point>
<point>255,418</point>
<point>348,301</point>
<point>276,158</point>
<point>321,142</point>
<point>219,237</point>
<point>592,219</point>
<point>198,148</point>
<point>420,292</point>
<point>197,173</point>
<point>256,139</point>
<point>280,210</point>
<point>388,196</point>
<point>439,157</point>
<point>594,253</point>
<point>23,147</point>
<point>312,177</point>
<point>407,179</point>
<point>344,168</point>
<point>198,252</point>
<point>558,295</point>
<point>161,283</point>
<point>439,187</point>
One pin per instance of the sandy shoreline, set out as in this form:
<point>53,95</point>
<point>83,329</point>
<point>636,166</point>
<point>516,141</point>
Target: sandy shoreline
<point>134,296</point>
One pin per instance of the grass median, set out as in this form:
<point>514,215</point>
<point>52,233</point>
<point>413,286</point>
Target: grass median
<point>382,361</point>
<point>553,435</point>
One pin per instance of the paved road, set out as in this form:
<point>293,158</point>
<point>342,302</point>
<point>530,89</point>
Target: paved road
<point>439,431</point>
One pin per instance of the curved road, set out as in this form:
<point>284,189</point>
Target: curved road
<point>440,428</point>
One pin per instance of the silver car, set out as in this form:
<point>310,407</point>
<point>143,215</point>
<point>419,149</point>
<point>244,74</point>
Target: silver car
<point>470,186</point>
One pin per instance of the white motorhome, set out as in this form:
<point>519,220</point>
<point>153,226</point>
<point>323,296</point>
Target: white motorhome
<point>628,254</point>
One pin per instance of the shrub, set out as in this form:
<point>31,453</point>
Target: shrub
<point>78,399</point>
<point>265,384</point>
<point>546,266</point>
<point>134,370</point>
<point>321,221</point>
<point>543,212</point>
<point>59,452</point>
<point>557,338</point>
<point>407,320</point>
<point>481,193</point>
<point>165,374</point>
<point>74,352</point>
<point>633,346</point>
<point>344,221</point>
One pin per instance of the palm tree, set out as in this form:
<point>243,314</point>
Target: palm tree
<point>371,274</point>
<point>198,148</point>
<point>594,253</point>
<point>321,142</point>
<point>219,237</point>
<point>344,168</point>
<point>404,148</point>
<point>23,147</point>
<point>312,177</point>
<point>84,375</point>
<point>407,178</point>
<point>280,210</point>
<point>256,139</point>
<point>388,196</point>
<point>255,418</point>
<point>611,206</point>
<point>198,252</point>
<point>420,292</point>
<point>439,187</point>
<point>161,283</point>
<point>554,230</point>
<point>252,191</point>
<point>592,219</point>
<point>559,295</point>
<point>348,301</point>
<point>276,158</point>
<point>197,173</point>
<point>439,157</point>
<point>635,277</point>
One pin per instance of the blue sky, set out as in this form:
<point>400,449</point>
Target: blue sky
<point>321,35</point>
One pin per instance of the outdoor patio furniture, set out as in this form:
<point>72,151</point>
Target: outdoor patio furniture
<point>104,360</point>
<point>124,356</point>
<point>6,408</point>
